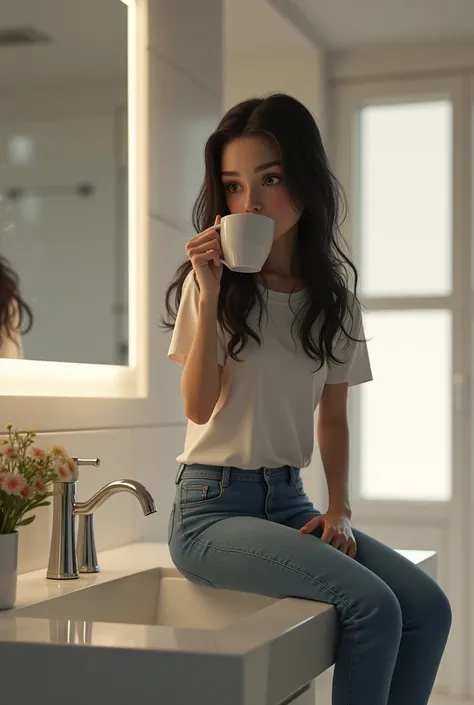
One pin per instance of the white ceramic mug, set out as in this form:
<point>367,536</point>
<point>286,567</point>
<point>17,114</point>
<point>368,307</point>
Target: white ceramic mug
<point>246,241</point>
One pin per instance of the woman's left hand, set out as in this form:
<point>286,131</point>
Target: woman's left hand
<point>337,531</point>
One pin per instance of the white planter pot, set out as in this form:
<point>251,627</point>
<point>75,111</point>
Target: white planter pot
<point>8,569</point>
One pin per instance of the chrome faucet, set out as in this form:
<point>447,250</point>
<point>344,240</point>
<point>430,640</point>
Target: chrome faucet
<point>65,561</point>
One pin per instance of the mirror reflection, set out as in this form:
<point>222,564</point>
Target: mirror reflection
<point>63,181</point>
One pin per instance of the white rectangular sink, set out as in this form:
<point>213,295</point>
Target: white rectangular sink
<point>159,596</point>
<point>140,632</point>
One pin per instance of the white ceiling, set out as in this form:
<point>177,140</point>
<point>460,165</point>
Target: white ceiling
<point>343,24</point>
<point>89,41</point>
<point>89,36</point>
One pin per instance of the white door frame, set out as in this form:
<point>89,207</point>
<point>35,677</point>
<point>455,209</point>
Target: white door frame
<point>452,520</point>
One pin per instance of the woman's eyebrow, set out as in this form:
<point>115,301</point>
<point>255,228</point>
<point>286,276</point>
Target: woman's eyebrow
<point>262,167</point>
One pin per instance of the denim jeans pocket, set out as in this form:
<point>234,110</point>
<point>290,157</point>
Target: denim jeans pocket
<point>299,487</point>
<point>200,490</point>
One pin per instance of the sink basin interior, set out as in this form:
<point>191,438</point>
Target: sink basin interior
<point>151,597</point>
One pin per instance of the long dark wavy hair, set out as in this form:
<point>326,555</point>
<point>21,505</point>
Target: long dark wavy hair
<point>318,259</point>
<point>10,296</point>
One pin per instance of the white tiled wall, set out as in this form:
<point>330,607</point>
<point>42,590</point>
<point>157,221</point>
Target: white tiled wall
<point>115,521</point>
<point>184,50</point>
<point>188,35</point>
<point>184,114</point>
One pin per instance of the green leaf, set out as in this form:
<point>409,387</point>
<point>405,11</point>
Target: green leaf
<point>25,522</point>
<point>43,504</point>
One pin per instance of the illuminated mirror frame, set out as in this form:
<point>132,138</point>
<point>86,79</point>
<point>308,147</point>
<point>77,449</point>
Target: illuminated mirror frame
<point>27,384</point>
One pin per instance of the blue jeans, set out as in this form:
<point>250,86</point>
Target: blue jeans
<point>237,530</point>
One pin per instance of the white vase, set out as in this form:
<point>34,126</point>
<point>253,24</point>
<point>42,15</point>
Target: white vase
<point>8,569</point>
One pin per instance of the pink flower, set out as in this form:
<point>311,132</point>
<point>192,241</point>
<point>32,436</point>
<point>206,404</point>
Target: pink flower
<point>13,484</point>
<point>73,469</point>
<point>63,472</point>
<point>26,492</point>
<point>11,453</point>
<point>39,452</point>
<point>40,486</point>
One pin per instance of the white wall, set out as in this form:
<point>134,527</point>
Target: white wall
<point>264,52</point>
<point>184,61</point>
<point>301,73</point>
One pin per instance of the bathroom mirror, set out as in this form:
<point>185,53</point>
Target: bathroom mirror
<point>64,174</point>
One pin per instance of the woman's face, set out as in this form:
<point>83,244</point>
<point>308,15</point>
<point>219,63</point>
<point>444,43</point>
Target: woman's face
<point>253,181</point>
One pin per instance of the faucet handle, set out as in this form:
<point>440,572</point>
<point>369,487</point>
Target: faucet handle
<point>87,461</point>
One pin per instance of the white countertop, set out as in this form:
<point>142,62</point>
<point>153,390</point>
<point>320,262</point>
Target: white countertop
<point>261,655</point>
<point>34,588</point>
<point>239,638</point>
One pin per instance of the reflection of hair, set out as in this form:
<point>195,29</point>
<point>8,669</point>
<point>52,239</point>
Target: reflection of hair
<point>12,305</point>
<point>319,260</point>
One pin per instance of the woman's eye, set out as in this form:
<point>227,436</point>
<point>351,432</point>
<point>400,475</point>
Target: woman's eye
<point>272,180</point>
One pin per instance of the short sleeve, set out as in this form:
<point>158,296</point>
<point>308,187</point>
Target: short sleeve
<point>185,325</point>
<point>355,363</point>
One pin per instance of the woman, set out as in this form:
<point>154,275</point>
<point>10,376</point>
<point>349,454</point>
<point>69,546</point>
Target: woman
<point>13,312</point>
<point>260,353</point>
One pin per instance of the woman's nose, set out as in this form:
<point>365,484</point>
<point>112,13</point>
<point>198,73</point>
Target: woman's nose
<point>252,206</point>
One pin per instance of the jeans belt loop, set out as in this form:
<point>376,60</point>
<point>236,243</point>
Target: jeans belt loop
<point>292,476</point>
<point>225,476</point>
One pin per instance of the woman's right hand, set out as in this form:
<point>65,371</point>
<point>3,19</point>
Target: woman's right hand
<point>204,251</point>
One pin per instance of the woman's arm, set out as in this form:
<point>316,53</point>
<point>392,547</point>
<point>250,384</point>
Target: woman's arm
<point>202,375</point>
<point>333,438</point>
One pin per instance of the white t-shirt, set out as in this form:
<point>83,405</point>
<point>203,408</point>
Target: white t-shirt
<point>265,414</point>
